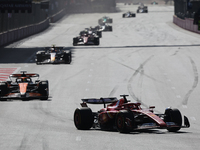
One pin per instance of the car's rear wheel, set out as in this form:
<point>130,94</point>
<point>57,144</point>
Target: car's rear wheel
<point>75,41</point>
<point>44,89</point>
<point>3,90</point>
<point>83,118</point>
<point>173,115</point>
<point>67,58</point>
<point>96,41</point>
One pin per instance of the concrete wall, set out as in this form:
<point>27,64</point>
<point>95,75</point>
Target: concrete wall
<point>23,32</point>
<point>186,24</point>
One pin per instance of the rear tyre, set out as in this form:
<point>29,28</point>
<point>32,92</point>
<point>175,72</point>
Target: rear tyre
<point>110,28</point>
<point>75,41</point>
<point>3,90</point>
<point>83,118</point>
<point>67,58</point>
<point>43,89</point>
<point>39,57</point>
<point>96,41</point>
<point>173,115</point>
<point>99,33</point>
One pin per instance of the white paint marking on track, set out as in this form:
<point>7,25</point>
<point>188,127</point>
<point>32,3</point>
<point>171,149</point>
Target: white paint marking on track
<point>78,138</point>
<point>193,118</point>
<point>184,106</point>
<point>178,96</point>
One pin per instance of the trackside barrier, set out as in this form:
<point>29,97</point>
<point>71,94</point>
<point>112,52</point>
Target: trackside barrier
<point>186,24</point>
<point>58,16</point>
<point>20,33</point>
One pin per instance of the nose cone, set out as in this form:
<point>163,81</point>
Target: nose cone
<point>23,88</point>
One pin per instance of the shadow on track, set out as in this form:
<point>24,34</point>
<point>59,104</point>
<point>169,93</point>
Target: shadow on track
<point>20,55</point>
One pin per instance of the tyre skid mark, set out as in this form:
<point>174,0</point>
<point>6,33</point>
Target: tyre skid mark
<point>136,70</point>
<point>141,71</point>
<point>195,82</point>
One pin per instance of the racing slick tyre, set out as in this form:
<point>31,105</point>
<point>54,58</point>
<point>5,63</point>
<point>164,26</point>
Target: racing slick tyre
<point>83,118</point>
<point>75,41</point>
<point>110,21</point>
<point>3,90</point>
<point>133,15</point>
<point>123,15</point>
<point>99,33</point>
<point>39,57</point>
<point>120,121</point>
<point>110,28</point>
<point>67,58</point>
<point>173,115</point>
<point>96,41</point>
<point>43,89</point>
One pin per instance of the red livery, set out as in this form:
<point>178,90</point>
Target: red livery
<point>126,116</point>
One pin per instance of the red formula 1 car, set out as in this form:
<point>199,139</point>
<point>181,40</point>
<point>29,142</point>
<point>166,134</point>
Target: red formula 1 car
<point>22,87</point>
<point>86,38</point>
<point>126,116</point>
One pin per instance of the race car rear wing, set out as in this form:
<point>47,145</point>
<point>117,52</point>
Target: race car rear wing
<point>98,101</point>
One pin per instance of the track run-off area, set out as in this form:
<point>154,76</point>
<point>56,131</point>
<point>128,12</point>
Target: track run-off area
<point>147,57</point>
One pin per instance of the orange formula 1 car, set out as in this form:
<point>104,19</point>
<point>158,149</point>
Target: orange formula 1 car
<point>22,87</point>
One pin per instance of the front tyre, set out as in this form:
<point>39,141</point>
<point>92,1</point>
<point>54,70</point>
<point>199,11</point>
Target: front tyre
<point>173,115</point>
<point>120,121</point>
<point>83,118</point>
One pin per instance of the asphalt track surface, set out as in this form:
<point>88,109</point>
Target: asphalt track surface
<point>147,57</point>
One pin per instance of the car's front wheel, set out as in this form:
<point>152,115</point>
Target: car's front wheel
<point>173,115</point>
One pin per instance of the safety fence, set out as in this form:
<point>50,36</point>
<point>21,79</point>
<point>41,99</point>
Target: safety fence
<point>187,23</point>
<point>25,31</point>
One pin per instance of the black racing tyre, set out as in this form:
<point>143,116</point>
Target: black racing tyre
<point>123,15</point>
<point>67,58</point>
<point>96,41</point>
<point>83,118</point>
<point>3,89</point>
<point>99,33</point>
<point>110,21</point>
<point>110,28</point>
<point>75,41</point>
<point>43,89</point>
<point>120,121</point>
<point>39,58</point>
<point>173,115</point>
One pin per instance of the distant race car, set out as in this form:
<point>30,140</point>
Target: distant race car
<point>154,3</point>
<point>128,14</point>
<point>93,31</point>
<point>53,55</point>
<point>86,38</point>
<point>104,27</point>
<point>22,87</point>
<point>105,19</point>
<point>142,9</point>
<point>126,116</point>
